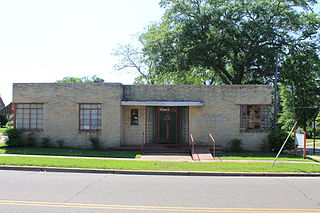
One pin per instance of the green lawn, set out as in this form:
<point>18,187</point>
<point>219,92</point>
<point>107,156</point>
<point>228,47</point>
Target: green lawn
<point>2,130</point>
<point>160,166</point>
<point>310,142</point>
<point>259,156</point>
<point>68,152</point>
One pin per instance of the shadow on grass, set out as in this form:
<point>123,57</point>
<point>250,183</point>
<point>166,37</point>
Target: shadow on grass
<point>258,155</point>
<point>69,152</point>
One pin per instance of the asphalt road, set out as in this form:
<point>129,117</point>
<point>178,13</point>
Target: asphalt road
<point>73,192</point>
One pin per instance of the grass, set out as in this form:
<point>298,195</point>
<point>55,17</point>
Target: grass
<point>259,156</point>
<point>310,142</point>
<point>159,166</point>
<point>68,152</point>
<point>2,130</point>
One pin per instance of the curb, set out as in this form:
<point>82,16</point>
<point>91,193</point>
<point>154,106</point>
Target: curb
<point>146,172</point>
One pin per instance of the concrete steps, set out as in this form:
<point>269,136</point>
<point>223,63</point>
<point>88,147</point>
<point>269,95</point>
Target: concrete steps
<point>202,153</point>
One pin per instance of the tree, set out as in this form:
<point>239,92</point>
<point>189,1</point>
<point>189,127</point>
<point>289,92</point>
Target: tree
<point>3,121</point>
<point>84,79</point>
<point>300,89</point>
<point>236,41</point>
<point>131,57</point>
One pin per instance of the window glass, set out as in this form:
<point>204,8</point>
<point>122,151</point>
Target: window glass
<point>29,116</point>
<point>134,116</point>
<point>90,117</point>
<point>254,117</point>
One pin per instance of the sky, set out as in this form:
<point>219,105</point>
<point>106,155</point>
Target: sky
<point>46,40</point>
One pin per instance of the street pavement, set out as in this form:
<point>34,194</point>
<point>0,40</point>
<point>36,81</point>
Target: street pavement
<point>23,191</point>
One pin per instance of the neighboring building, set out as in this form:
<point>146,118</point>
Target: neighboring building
<point>119,114</point>
<point>2,105</point>
<point>7,111</point>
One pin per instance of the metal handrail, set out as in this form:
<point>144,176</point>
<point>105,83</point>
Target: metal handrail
<point>142,142</point>
<point>191,146</point>
<point>210,138</point>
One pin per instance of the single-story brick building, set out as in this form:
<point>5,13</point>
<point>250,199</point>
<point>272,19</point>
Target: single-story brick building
<point>166,114</point>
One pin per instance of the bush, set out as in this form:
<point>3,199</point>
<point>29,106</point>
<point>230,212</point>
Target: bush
<point>60,143</point>
<point>95,142</point>
<point>30,139</point>
<point>3,121</point>
<point>265,146</point>
<point>15,137</point>
<point>276,139</point>
<point>235,145</point>
<point>46,142</point>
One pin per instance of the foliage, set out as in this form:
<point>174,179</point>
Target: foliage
<point>15,137</point>
<point>265,146</point>
<point>3,121</point>
<point>84,79</point>
<point>276,139</point>
<point>228,42</point>
<point>2,130</point>
<point>95,142</point>
<point>300,89</point>
<point>60,143</point>
<point>46,142</point>
<point>30,140</point>
<point>235,145</point>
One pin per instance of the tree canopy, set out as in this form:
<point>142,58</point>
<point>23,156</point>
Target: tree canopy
<point>84,79</point>
<point>234,41</point>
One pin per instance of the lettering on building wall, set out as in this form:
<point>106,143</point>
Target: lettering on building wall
<point>212,118</point>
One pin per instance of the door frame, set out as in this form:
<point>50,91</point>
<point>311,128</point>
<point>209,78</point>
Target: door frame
<point>177,123</point>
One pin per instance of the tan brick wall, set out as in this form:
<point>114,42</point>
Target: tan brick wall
<point>219,115</point>
<point>61,110</point>
<point>132,134</point>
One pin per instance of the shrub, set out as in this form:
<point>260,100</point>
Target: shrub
<point>265,146</point>
<point>3,121</point>
<point>46,142</point>
<point>30,139</point>
<point>15,137</point>
<point>235,145</point>
<point>60,143</point>
<point>95,142</point>
<point>276,139</point>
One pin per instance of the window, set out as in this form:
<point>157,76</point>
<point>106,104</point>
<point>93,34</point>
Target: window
<point>90,117</point>
<point>134,117</point>
<point>254,118</point>
<point>29,116</point>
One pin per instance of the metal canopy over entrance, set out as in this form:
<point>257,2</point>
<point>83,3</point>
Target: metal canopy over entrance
<point>162,103</point>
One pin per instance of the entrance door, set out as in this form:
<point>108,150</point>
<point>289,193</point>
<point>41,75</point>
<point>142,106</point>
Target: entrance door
<point>167,125</point>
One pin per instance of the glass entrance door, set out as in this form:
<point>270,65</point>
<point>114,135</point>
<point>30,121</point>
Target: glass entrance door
<point>167,125</point>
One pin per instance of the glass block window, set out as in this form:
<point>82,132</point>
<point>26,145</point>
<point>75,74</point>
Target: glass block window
<point>90,117</point>
<point>134,117</point>
<point>254,117</point>
<point>29,116</point>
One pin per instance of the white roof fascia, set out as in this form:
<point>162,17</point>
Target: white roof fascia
<point>162,103</point>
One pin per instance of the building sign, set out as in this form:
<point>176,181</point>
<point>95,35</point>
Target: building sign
<point>212,118</point>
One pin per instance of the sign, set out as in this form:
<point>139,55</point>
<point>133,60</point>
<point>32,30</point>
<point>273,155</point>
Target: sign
<point>299,139</point>
<point>213,118</point>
